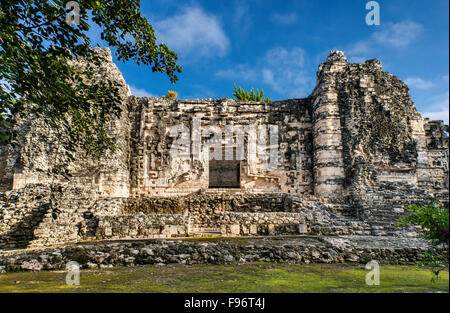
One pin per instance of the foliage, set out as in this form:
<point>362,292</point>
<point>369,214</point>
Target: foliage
<point>40,73</point>
<point>434,222</point>
<point>171,95</point>
<point>433,219</point>
<point>243,95</point>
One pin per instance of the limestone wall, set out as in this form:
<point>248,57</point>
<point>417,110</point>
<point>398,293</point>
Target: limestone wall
<point>38,151</point>
<point>154,171</point>
<point>142,226</point>
<point>358,128</point>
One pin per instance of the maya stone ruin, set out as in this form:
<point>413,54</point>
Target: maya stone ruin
<point>349,159</point>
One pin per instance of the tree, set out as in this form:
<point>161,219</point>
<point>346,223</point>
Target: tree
<point>40,44</point>
<point>434,223</point>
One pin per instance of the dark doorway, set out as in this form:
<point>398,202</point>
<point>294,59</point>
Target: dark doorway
<point>224,174</point>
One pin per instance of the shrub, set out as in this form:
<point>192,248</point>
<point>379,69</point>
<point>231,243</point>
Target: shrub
<point>171,95</point>
<point>434,222</point>
<point>243,95</point>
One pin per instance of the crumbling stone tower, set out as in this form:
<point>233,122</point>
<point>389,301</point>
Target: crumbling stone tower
<point>328,155</point>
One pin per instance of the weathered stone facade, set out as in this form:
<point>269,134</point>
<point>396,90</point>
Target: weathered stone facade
<point>350,158</point>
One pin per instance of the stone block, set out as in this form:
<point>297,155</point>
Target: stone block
<point>108,231</point>
<point>235,229</point>
<point>302,228</point>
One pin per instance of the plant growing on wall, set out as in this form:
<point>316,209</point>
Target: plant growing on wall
<point>243,95</point>
<point>434,223</point>
<point>171,95</point>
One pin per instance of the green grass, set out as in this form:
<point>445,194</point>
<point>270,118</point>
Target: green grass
<point>251,277</point>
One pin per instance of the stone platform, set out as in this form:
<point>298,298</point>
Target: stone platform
<point>26,220</point>
<point>284,249</point>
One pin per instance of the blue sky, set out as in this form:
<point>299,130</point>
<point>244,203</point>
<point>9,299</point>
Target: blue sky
<point>278,45</point>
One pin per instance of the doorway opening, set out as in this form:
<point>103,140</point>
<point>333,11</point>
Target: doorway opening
<point>224,174</point>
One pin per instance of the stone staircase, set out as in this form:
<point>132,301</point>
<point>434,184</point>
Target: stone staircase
<point>384,221</point>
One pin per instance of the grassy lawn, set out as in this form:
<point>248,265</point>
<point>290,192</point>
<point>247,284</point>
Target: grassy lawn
<point>251,277</point>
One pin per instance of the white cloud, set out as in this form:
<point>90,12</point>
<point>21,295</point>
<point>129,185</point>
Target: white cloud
<point>268,77</point>
<point>140,92</point>
<point>359,51</point>
<point>285,19</point>
<point>240,11</point>
<point>282,57</point>
<point>438,109</point>
<point>441,116</point>
<point>282,69</point>
<point>242,71</point>
<point>357,59</point>
<point>396,35</point>
<point>399,35</point>
<point>242,16</point>
<point>417,82</point>
<point>193,33</point>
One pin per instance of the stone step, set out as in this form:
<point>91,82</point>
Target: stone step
<point>223,190</point>
<point>204,234</point>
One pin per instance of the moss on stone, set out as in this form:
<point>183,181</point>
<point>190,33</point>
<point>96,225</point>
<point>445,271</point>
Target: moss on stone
<point>250,277</point>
